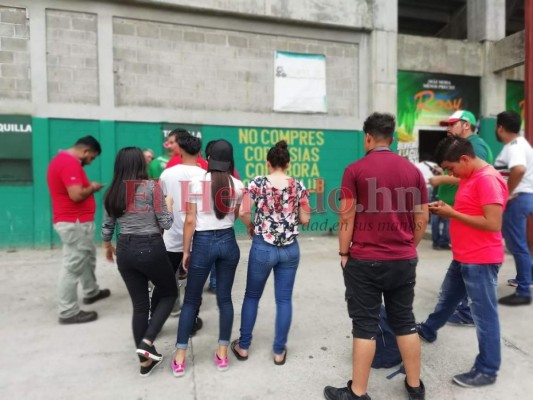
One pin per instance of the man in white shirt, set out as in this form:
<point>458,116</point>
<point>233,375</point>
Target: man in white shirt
<point>515,162</point>
<point>175,182</point>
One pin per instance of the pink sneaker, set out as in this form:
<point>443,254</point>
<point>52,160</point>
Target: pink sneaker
<point>222,365</point>
<point>177,369</point>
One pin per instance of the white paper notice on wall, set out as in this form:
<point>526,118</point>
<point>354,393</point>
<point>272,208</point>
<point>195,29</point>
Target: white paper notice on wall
<point>300,83</point>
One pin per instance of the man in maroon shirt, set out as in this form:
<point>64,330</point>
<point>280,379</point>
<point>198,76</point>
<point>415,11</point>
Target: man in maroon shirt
<point>73,208</point>
<point>383,217</point>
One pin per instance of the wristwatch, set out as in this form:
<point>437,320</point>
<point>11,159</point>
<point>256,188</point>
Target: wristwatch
<point>344,254</point>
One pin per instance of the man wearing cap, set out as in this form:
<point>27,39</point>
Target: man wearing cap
<point>461,124</point>
<point>515,162</point>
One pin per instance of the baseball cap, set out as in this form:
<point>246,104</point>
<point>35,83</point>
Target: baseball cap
<point>220,156</point>
<point>460,115</point>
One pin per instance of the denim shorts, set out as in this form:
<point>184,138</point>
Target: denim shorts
<point>367,282</point>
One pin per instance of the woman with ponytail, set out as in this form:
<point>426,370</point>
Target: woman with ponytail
<point>212,207</point>
<point>282,203</point>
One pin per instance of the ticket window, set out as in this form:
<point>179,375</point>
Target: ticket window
<point>427,143</point>
<point>15,150</point>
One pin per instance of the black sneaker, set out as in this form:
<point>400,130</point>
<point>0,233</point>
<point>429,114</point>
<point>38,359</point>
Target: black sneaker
<point>198,323</point>
<point>102,294</point>
<point>148,352</point>
<point>473,379</point>
<point>345,393</point>
<point>79,318</point>
<point>146,371</point>
<point>417,393</point>
<point>515,300</point>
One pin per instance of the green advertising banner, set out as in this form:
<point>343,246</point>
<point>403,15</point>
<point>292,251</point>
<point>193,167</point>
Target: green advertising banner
<point>318,159</point>
<point>425,99</point>
<point>515,99</point>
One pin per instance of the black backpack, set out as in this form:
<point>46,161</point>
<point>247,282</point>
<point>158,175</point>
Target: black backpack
<point>387,352</point>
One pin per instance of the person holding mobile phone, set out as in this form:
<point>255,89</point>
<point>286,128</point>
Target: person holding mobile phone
<point>73,208</point>
<point>475,229</point>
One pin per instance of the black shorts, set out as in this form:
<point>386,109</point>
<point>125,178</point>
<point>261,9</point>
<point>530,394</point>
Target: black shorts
<point>367,281</point>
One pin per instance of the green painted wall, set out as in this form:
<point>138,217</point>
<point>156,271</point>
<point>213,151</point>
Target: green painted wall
<point>25,216</point>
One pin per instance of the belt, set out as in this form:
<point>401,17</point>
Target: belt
<point>133,236</point>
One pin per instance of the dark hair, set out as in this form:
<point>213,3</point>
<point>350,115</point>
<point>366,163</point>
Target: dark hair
<point>190,144</point>
<point>380,125</point>
<point>90,142</point>
<point>208,147</point>
<point>222,186</point>
<point>179,133</point>
<point>510,120</point>
<point>130,165</point>
<point>451,149</point>
<point>278,156</point>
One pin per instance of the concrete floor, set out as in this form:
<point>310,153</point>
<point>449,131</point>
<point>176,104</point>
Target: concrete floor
<point>44,360</point>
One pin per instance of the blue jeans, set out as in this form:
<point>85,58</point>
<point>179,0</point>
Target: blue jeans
<point>263,258</point>
<point>440,237</point>
<point>479,281</point>
<point>515,233</point>
<point>217,247</point>
<point>213,277</point>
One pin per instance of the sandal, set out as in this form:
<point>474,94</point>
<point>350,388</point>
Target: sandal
<point>237,355</point>
<point>283,360</point>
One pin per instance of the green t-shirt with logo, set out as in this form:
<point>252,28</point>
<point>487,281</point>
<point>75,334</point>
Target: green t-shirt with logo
<point>447,192</point>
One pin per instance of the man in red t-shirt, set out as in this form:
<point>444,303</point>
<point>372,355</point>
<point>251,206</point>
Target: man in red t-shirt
<point>475,231</point>
<point>73,209</point>
<point>383,217</point>
<point>173,145</point>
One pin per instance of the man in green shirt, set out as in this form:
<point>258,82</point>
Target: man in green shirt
<point>462,124</point>
<point>157,166</point>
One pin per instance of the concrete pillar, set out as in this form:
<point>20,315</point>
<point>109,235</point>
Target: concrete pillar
<point>486,20</point>
<point>486,23</point>
<point>383,60</point>
<point>492,85</point>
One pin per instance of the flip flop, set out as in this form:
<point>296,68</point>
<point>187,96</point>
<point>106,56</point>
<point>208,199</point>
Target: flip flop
<point>282,361</point>
<point>237,355</point>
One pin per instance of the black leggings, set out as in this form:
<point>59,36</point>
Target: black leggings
<point>143,258</point>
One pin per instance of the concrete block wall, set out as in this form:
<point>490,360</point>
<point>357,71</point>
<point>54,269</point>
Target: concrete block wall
<point>178,66</point>
<point>15,79</point>
<point>72,57</point>
<point>351,13</point>
<point>425,54</point>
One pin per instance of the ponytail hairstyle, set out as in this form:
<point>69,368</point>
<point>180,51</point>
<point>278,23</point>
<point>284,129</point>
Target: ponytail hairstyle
<point>130,165</point>
<point>220,164</point>
<point>278,156</point>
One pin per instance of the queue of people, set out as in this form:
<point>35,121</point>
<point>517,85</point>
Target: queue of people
<point>185,220</point>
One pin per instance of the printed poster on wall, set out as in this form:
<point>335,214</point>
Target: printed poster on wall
<point>300,83</point>
<point>515,100</point>
<point>425,99</point>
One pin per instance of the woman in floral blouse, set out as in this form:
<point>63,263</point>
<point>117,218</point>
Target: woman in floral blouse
<point>282,203</point>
